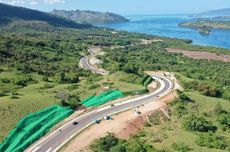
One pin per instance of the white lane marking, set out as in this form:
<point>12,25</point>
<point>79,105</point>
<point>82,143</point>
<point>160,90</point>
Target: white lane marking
<point>35,149</point>
<point>49,150</point>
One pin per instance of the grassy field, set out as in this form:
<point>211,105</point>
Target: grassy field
<point>42,94</point>
<point>164,135</point>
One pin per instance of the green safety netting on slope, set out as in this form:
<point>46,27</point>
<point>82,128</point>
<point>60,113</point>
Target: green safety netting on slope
<point>102,98</point>
<point>32,127</point>
<point>147,80</point>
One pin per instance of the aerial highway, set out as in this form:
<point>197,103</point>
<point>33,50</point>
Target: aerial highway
<point>55,140</point>
<point>59,137</point>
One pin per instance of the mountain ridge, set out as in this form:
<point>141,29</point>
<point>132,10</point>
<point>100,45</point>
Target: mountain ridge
<point>90,17</point>
<point>215,13</point>
<point>9,13</point>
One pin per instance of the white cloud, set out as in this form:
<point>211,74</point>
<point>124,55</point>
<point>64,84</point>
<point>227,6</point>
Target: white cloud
<point>53,1</point>
<point>33,3</point>
<point>17,2</point>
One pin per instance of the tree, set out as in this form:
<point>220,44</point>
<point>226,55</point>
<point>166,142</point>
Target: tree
<point>72,102</point>
<point>224,119</point>
<point>198,123</point>
<point>105,143</point>
<point>118,148</point>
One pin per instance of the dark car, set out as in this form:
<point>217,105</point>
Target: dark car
<point>75,123</point>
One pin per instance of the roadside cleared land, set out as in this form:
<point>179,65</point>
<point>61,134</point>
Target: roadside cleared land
<point>200,54</point>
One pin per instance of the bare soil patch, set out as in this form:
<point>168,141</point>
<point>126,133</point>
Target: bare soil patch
<point>201,55</point>
<point>146,42</point>
<point>123,125</point>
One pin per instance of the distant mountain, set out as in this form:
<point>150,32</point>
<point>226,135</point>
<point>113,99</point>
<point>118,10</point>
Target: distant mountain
<point>90,17</point>
<point>214,13</point>
<point>10,13</point>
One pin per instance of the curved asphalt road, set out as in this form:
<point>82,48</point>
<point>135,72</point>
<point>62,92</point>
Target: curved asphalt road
<point>55,140</point>
<point>84,63</point>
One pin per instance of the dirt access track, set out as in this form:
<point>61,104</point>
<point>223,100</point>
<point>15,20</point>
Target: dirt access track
<point>200,54</point>
<point>124,124</point>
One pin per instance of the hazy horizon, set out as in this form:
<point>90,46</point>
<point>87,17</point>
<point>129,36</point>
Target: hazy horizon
<point>128,7</point>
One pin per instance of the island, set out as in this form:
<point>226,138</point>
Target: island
<point>206,26</point>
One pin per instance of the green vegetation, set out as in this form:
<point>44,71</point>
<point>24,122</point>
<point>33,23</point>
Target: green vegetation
<point>204,75</point>
<point>32,127</point>
<point>206,26</point>
<point>180,147</point>
<point>110,143</point>
<point>171,135</point>
<point>9,13</point>
<point>212,141</point>
<point>39,68</point>
<point>194,123</point>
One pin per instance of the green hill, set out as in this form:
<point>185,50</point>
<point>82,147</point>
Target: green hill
<point>90,17</point>
<point>9,13</point>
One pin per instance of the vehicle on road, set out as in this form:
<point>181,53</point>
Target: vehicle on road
<point>75,123</point>
<point>136,111</point>
<point>112,105</point>
<point>107,117</point>
<point>97,121</point>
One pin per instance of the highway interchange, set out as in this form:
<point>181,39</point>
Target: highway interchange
<point>55,140</point>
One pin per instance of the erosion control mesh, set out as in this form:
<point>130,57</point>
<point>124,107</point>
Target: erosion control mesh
<point>147,80</point>
<point>102,98</point>
<point>32,127</point>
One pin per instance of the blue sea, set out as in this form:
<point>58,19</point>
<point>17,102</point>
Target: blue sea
<point>167,25</point>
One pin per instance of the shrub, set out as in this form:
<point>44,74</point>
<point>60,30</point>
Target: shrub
<point>72,101</point>
<point>2,93</point>
<point>180,147</point>
<point>105,143</point>
<point>72,87</point>
<point>94,86</point>
<point>47,86</point>
<point>209,91</point>
<point>198,123</point>
<point>212,141</point>
<point>118,148</point>
<point>224,119</point>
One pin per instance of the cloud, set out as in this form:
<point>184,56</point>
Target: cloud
<point>53,1</point>
<point>33,3</point>
<point>17,2</point>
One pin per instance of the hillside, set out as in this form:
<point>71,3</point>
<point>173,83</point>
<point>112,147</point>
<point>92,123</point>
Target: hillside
<point>214,13</point>
<point>9,13</point>
<point>90,17</point>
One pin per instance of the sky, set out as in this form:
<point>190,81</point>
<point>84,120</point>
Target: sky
<point>126,7</point>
